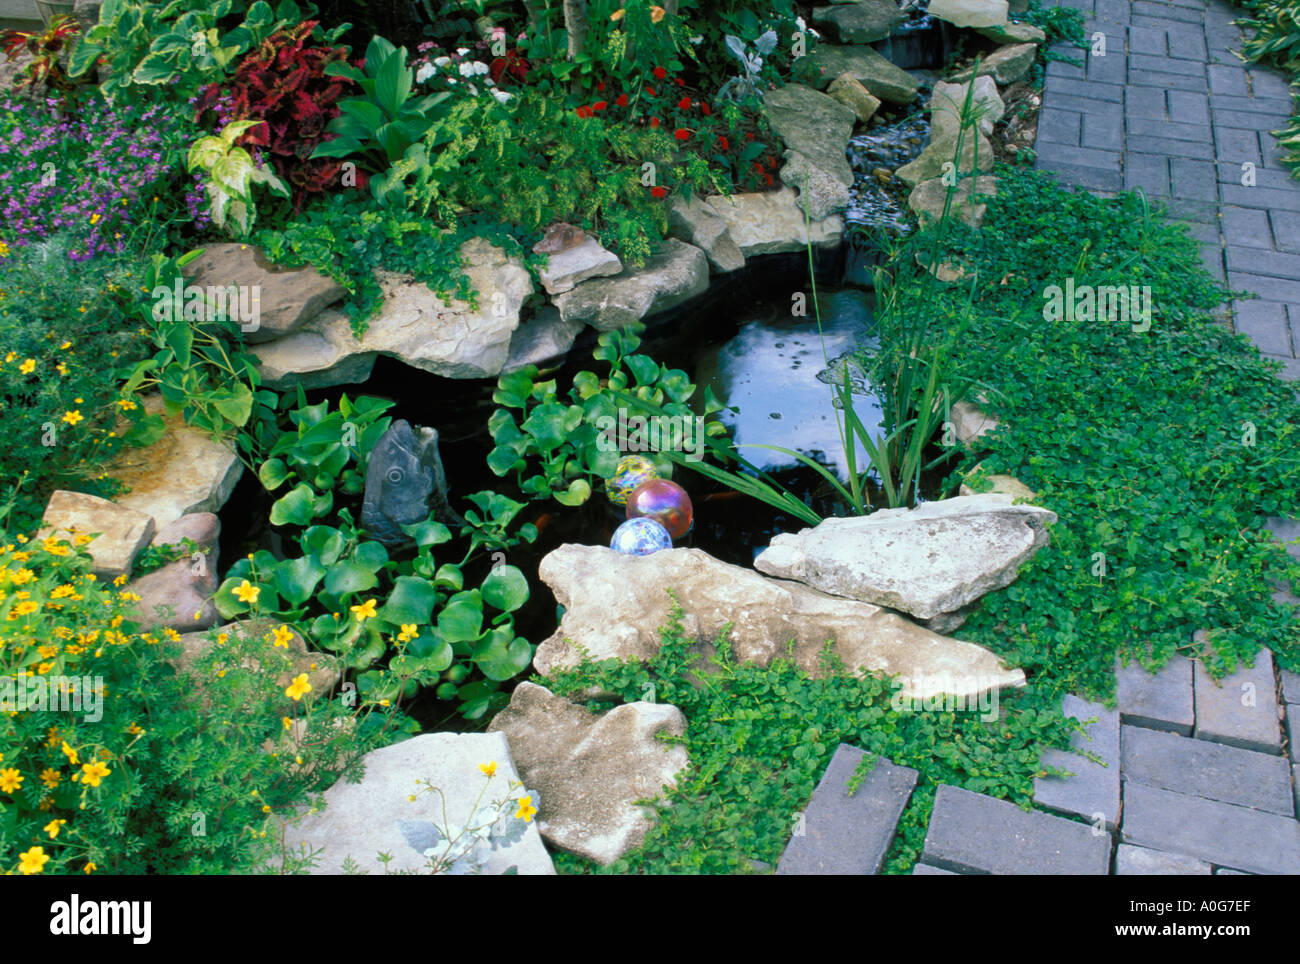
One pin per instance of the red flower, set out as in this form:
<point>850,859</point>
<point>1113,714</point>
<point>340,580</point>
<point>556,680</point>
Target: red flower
<point>584,111</point>
<point>654,121</point>
<point>684,104</point>
<point>660,73</point>
<point>723,144</point>
<point>659,192</point>
<point>652,92</point>
<point>771,162</point>
<point>601,85</point>
<point>770,182</point>
<point>599,105</point>
<point>622,100</point>
<point>679,82</point>
<point>682,134</point>
<point>704,108</point>
<point>749,135</point>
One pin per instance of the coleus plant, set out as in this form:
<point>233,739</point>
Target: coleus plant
<point>44,49</point>
<point>231,173</point>
<point>284,85</point>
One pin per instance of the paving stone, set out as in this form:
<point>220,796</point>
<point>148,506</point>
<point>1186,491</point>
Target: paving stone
<point>1116,11</point>
<point>1241,709</point>
<point>1295,782</point>
<point>972,833</point>
<point>1176,130</point>
<point>1095,179</point>
<point>1290,680</point>
<point>1187,43</point>
<point>1131,861</point>
<point>1148,144</point>
<point>1082,88</point>
<point>1267,84</point>
<point>1276,108</point>
<point>1268,288</point>
<point>1059,127</point>
<point>1263,321</point>
<point>1066,70</point>
<point>1221,833</point>
<point>1103,132</point>
<point>1194,180</point>
<point>1111,68</point>
<point>1163,64</point>
<point>1272,263</point>
<point>1286,230</point>
<point>1092,791</point>
<point>1084,105</point>
<point>1228,80</point>
<point>1152,102</point>
<point>1200,768</point>
<point>1159,701</point>
<point>1293,732</point>
<point>1152,41</point>
<point>925,870</point>
<point>1188,107</point>
<point>1236,146</point>
<point>1164,11</point>
<point>849,834</point>
<point>1243,119</point>
<point>1147,171</point>
<point>1247,226</point>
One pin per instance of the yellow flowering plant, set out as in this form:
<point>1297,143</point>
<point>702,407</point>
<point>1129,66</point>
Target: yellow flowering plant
<point>118,754</point>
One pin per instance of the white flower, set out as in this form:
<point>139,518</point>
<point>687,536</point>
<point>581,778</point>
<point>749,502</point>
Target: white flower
<point>462,51</point>
<point>697,40</point>
<point>502,96</point>
<point>480,68</point>
<point>799,22</point>
<point>424,73</point>
<point>441,61</point>
<point>466,69</point>
<point>473,91</point>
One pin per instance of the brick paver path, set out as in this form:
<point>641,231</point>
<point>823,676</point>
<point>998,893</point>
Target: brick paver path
<point>1170,108</point>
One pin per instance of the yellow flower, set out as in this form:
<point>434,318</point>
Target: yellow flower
<point>10,780</point>
<point>94,218</point>
<point>51,777</point>
<point>52,828</point>
<point>92,773</point>
<point>91,868</point>
<point>61,368</point>
<point>28,366</point>
<point>288,723</point>
<point>65,346</point>
<point>70,753</point>
<point>32,862</point>
<point>618,15</point>
<point>656,14</point>
<point>526,809</point>
<point>488,769</point>
<point>26,608</point>
<point>246,592</point>
<point>10,357</point>
<point>126,405</point>
<point>282,636</point>
<point>135,729</point>
<point>73,417</point>
<point>4,250</point>
<point>223,638</point>
<point>61,592</point>
<point>299,688</point>
<point>365,611</point>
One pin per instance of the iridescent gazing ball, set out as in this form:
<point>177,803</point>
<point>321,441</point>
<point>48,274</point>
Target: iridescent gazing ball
<point>640,537</point>
<point>632,471</point>
<point>664,501</point>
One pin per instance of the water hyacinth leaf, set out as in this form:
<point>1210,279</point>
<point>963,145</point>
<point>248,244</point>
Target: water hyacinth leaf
<point>272,474</point>
<point>410,603</point>
<point>294,508</point>
<point>450,577</point>
<point>578,492</point>
<point>505,588</point>
<point>644,368</point>
<point>462,618</point>
<point>428,533</point>
<point>296,579</point>
<point>504,655</point>
<point>551,423</point>
<point>349,576</point>
<point>323,543</point>
<point>372,555</point>
<point>430,652</point>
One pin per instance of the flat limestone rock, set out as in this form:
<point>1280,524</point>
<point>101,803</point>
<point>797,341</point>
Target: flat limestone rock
<point>185,471</point>
<point>1013,33</point>
<point>363,820</point>
<point>677,273</point>
<point>947,106</point>
<point>970,13</point>
<point>123,531</point>
<point>1006,65</point>
<point>873,71</point>
<point>849,91</point>
<point>819,193</point>
<point>859,23</point>
<point>928,198</point>
<point>590,770</point>
<point>543,340</point>
<point>286,298</point>
<point>932,559</point>
<point>771,222</point>
<point>413,325</point>
<point>814,124</point>
<point>172,594</point>
<point>616,604</point>
<point>567,268</point>
<point>696,222</point>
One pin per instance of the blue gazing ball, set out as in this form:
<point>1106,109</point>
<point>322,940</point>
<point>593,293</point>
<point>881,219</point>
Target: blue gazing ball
<point>640,537</point>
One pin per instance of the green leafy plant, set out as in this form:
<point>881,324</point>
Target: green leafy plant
<point>148,769</point>
<point>397,616</point>
<point>760,738</point>
<point>386,126</point>
<point>231,174</point>
<point>143,45</point>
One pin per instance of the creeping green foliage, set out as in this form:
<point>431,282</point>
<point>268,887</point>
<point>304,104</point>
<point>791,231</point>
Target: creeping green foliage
<point>759,739</point>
